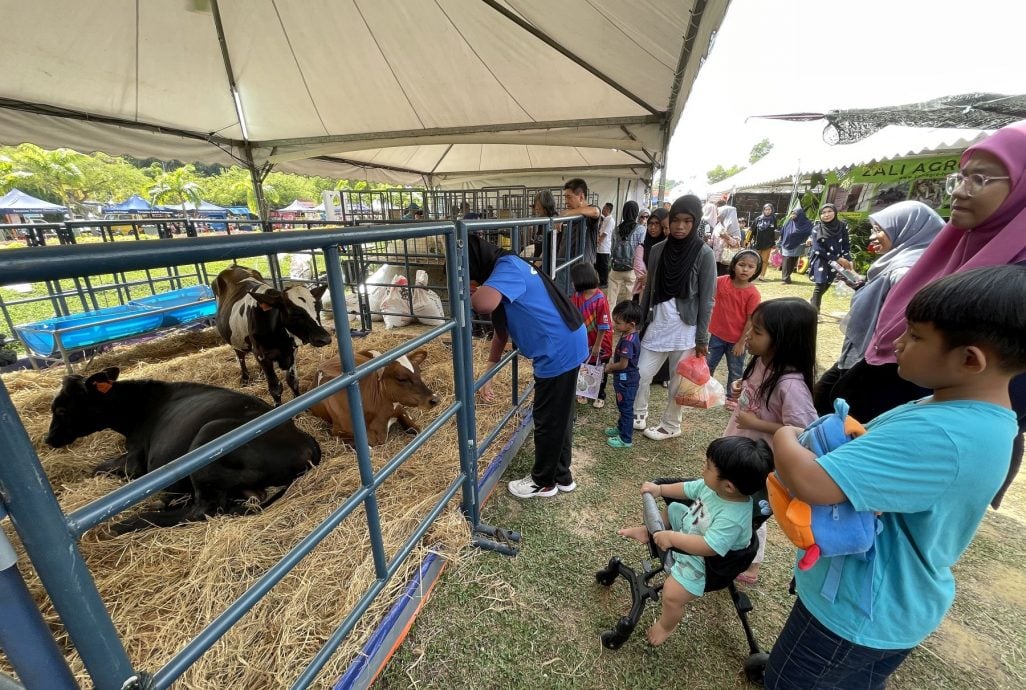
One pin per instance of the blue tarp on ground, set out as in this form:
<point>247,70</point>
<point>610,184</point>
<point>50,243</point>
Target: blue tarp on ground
<point>17,201</point>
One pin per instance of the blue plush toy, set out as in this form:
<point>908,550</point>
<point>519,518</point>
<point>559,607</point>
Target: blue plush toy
<point>829,531</point>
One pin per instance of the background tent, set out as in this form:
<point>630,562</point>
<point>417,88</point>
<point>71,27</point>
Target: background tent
<point>446,94</point>
<point>17,201</point>
<point>133,204</point>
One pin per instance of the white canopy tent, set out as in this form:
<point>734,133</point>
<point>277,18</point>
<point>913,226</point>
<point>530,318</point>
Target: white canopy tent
<point>814,155</point>
<point>443,94</point>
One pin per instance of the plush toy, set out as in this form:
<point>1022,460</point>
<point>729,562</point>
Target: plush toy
<point>828,531</point>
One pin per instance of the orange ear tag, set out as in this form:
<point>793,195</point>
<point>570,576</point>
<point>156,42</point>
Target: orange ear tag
<point>103,386</point>
<point>265,307</point>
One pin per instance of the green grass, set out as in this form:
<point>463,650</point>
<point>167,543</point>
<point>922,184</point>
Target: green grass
<point>534,621</point>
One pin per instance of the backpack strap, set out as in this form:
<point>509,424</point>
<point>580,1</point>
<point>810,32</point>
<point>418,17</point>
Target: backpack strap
<point>832,581</point>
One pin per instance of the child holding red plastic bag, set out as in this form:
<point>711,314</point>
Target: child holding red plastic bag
<point>736,299</point>
<point>775,389</point>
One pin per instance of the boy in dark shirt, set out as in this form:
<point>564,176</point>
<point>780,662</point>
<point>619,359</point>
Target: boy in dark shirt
<point>624,368</point>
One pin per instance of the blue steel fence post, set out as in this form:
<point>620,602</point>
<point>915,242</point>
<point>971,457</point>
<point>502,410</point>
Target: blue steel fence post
<point>24,637</point>
<point>336,286</point>
<point>457,271</point>
<point>54,553</point>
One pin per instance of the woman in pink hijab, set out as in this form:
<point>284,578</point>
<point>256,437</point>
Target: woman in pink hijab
<point>987,228</point>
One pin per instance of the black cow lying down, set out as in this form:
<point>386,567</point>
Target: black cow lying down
<point>162,421</point>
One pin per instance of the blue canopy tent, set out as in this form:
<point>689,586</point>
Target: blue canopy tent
<point>17,201</point>
<point>133,204</point>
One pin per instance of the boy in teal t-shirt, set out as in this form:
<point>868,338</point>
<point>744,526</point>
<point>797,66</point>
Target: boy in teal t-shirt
<point>929,467</point>
<point>718,520</point>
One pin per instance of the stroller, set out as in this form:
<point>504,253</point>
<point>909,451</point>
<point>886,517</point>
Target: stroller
<point>720,572</point>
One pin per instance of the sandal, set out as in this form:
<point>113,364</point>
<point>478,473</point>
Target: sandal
<point>617,442</point>
<point>599,403</point>
<point>612,431</point>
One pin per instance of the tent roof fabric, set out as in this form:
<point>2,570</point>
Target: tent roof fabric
<point>415,93</point>
<point>133,204</point>
<point>298,206</point>
<point>17,201</point>
<point>816,156</point>
<point>973,110</point>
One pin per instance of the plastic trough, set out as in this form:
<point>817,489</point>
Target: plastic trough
<point>50,337</point>
<point>392,630</point>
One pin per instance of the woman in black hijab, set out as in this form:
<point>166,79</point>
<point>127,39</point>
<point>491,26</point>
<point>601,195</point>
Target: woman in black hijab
<point>829,242</point>
<point>676,305</point>
<point>764,236</point>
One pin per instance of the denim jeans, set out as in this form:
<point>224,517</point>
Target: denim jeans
<point>626,391</point>
<point>808,655</point>
<point>735,363</point>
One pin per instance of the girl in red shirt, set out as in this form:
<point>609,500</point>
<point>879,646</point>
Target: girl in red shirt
<point>736,299</point>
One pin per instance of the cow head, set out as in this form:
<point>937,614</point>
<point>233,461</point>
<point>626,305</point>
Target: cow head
<point>79,408</point>
<point>401,382</point>
<point>298,307</point>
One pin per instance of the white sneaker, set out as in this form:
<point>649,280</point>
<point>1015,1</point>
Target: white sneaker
<point>657,433</point>
<point>640,422</point>
<point>526,488</point>
<point>566,488</point>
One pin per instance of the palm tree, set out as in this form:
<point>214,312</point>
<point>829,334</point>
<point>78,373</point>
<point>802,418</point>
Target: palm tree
<point>178,186</point>
<point>51,173</point>
<point>244,187</point>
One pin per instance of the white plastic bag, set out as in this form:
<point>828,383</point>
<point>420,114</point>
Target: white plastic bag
<point>301,267</point>
<point>427,305</point>
<point>397,302</point>
<point>708,395</point>
<point>376,293</point>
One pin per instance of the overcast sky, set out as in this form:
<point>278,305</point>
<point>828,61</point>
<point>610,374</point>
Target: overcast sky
<point>782,56</point>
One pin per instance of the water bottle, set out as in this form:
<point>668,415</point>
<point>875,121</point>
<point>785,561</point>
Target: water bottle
<point>848,277</point>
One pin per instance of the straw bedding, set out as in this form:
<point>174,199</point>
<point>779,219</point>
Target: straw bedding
<point>162,586</point>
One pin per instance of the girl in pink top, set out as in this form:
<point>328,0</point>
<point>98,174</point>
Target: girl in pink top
<point>776,387</point>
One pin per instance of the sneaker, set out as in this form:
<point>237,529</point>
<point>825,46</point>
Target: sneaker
<point>566,488</point>
<point>599,403</point>
<point>617,442</point>
<point>640,422</point>
<point>658,433</point>
<point>526,488</point>
<point>612,431</point>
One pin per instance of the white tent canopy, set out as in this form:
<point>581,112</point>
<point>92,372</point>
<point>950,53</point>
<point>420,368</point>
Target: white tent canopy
<point>816,156</point>
<point>404,92</point>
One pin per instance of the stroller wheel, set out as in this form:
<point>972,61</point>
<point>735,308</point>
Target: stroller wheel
<point>607,575</point>
<point>755,667</point>
<point>611,639</point>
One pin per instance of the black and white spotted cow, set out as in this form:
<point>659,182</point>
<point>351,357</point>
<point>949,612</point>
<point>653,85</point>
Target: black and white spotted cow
<point>254,317</point>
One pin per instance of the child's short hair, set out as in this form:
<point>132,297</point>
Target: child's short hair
<point>628,311</point>
<point>982,307</point>
<point>584,276</point>
<point>744,462</point>
<point>742,254</point>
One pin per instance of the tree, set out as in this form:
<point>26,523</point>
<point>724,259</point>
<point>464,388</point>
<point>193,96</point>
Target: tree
<point>177,186</point>
<point>720,173</point>
<point>760,150</point>
<point>50,174</point>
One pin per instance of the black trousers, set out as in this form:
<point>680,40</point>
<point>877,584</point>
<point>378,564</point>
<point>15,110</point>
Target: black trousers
<point>602,267</point>
<point>554,412</point>
<point>787,268</point>
<point>818,292</point>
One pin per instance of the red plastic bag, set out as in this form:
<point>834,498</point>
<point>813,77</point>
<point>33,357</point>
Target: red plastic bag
<point>694,369</point>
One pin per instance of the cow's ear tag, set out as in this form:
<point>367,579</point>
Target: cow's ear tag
<point>265,307</point>
<point>103,386</point>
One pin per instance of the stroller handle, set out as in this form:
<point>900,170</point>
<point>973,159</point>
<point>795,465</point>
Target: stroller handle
<point>653,516</point>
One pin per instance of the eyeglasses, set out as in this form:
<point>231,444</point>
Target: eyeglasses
<point>973,183</point>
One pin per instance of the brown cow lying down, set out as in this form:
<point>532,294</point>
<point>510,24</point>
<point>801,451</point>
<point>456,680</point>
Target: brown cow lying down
<point>384,393</point>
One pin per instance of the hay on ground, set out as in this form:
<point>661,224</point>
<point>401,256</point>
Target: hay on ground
<point>162,586</point>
